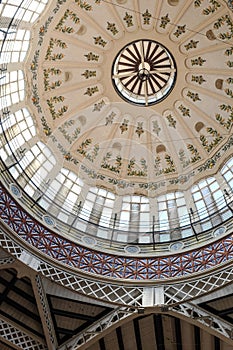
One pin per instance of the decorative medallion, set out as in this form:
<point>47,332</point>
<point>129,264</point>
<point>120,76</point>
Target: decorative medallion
<point>132,249</point>
<point>49,221</point>
<point>15,190</point>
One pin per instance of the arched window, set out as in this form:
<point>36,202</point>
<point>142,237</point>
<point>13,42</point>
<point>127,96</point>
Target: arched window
<point>227,173</point>
<point>18,128</point>
<point>172,214</point>
<point>12,88</point>
<point>29,10</point>
<point>98,206</point>
<point>36,163</point>
<point>208,199</point>
<point>134,214</point>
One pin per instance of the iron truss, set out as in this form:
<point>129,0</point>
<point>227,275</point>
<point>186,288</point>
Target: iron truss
<point>188,311</point>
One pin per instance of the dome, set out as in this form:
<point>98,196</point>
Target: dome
<point>118,132</point>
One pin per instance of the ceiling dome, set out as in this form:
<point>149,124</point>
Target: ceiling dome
<point>87,76</point>
<point>124,119</point>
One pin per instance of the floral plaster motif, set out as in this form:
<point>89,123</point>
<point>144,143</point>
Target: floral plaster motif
<point>186,161</point>
<point>107,163</point>
<point>216,139</point>
<point>227,123</point>
<point>83,5</point>
<point>212,8</point>
<point>128,19</point>
<point>98,40</point>
<point>180,30</point>
<point>52,44</point>
<point>98,106</point>
<point>91,91</point>
<point>198,61</point>
<point>66,130</point>
<point>139,130</point>
<point>146,17</point>
<point>198,79</point>
<point>56,113</point>
<point>89,73</point>
<point>61,27</point>
<point>171,121</point>
<point>92,57</point>
<point>54,84</point>
<point>109,119</point>
<point>225,20</point>
<point>164,21</point>
<point>132,168</point>
<point>193,96</point>
<point>156,128</point>
<point>197,3</point>
<point>112,28</point>
<point>191,45</point>
<point>85,150</point>
<point>124,126</point>
<point>185,111</point>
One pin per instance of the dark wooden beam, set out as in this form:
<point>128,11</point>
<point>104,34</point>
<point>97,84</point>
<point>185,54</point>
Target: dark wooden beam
<point>102,344</point>
<point>159,334</point>
<point>21,324</point>
<point>18,290</point>
<point>178,334</point>
<point>8,288</point>
<point>197,338</point>
<point>22,309</point>
<point>216,343</point>
<point>73,315</point>
<point>137,334</point>
<point>120,338</point>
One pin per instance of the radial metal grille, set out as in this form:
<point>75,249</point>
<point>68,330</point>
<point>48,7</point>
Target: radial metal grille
<point>144,72</point>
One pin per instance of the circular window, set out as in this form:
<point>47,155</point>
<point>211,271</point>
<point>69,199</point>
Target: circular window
<point>144,72</point>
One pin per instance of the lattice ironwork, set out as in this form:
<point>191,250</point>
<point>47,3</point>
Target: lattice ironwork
<point>19,338</point>
<point>198,287</point>
<point>6,261</point>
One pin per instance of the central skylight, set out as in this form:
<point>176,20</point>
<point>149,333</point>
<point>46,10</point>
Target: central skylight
<point>144,72</point>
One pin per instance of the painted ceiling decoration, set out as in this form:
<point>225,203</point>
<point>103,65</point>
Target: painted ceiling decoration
<point>155,78</point>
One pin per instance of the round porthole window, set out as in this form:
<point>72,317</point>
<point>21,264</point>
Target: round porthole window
<point>144,72</point>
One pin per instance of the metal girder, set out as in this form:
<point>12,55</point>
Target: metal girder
<point>44,312</point>
<point>210,322</point>
<point>98,329</point>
